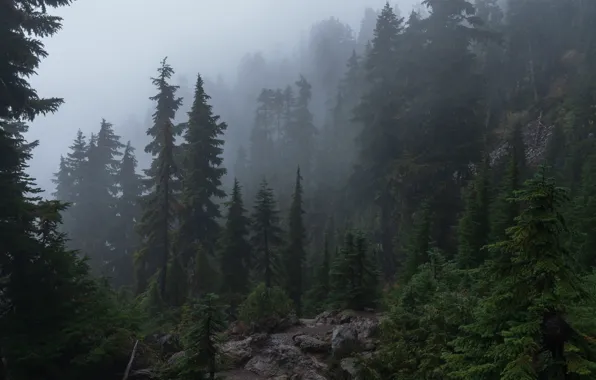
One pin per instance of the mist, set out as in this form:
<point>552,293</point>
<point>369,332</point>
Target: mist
<point>102,61</point>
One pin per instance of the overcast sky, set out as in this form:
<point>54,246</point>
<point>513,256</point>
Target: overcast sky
<point>101,61</point>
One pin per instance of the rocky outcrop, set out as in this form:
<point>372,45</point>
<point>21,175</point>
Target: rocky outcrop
<point>308,349</point>
<point>303,351</point>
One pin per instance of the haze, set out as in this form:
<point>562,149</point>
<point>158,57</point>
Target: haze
<point>101,61</point>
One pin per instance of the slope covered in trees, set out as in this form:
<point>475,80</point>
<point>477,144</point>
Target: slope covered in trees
<point>438,167</point>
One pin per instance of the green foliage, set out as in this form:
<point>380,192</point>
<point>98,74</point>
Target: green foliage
<point>235,256</point>
<point>202,172</point>
<point>295,254</point>
<point>266,236</point>
<point>354,276</point>
<point>265,304</point>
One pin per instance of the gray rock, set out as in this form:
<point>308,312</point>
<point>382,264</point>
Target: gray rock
<point>344,341</point>
<point>308,343</point>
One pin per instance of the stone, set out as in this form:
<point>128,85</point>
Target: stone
<point>311,344</point>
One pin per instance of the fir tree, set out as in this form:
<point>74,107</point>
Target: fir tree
<point>125,239</point>
<point>266,235</point>
<point>235,250</point>
<point>474,228</point>
<point>158,214</point>
<point>319,292</point>
<point>202,174</point>
<point>529,303</point>
<point>420,241</point>
<point>295,254</point>
<point>505,211</point>
<point>354,278</point>
<point>202,322</point>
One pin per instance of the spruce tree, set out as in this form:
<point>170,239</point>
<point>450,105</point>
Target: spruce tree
<point>319,292</point>
<point>202,173</point>
<point>529,303</point>
<point>295,254</point>
<point>266,236</point>
<point>124,238</point>
<point>202,322</point>
<point>474,227</point>
<point>505,211</point>
<point>419,244</point>
<point>235,250</point>
<point>46,294</point>
<point>163,183</point>
<point>354,277</point>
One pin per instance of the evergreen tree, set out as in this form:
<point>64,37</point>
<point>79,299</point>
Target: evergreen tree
<point>319,292</point>
<point>46,291</point>
<point>235,250</point>
<point>300,131</point>
<point>202,175</point>
<point>420,241</point>
<point>202,322</point>
<point>529,304</point>
<point>163,180</point>
<point>474,227</point>
<point>505,211</point>
<point>125,239</point>
<point>295,254</point>
<point>354,278</point>
<point>266,235</point>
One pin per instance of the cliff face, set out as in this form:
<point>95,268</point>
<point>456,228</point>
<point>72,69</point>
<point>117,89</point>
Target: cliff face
<point>536,136</point>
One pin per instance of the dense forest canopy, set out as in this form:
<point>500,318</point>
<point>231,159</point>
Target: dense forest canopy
<point>436,169</point>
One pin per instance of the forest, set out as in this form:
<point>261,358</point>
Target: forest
<point>436,170</point>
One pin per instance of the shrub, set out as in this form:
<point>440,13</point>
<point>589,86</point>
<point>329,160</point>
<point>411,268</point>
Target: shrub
<point>265,307</point>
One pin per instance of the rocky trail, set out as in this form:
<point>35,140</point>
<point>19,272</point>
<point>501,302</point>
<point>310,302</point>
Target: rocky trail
<point>299,350</point>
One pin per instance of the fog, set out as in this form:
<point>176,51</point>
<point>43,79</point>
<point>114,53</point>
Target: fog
<point>101,61</point>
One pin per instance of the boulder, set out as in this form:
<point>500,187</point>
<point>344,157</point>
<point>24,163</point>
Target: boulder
<point>311,344</point>
<point>344,341</point>
<point>280,359</point>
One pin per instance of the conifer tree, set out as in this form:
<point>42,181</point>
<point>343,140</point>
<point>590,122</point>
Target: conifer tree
<point>266,236</point>
<point>163,182</point>
<point>529,304</point>
<point>354,277</point>
<point>45,293</point>
<point>202,322</point>
<point>202,174</point>
<point>505,211</point>
<point>474,227</point>
<point>235,250</point>
<point>420,241</point>
<point>300,131</point>
<point>319,292</point>
<point>295,254</point>
<point>125,239</point>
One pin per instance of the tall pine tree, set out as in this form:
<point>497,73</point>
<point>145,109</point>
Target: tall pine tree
<point>163,182</point>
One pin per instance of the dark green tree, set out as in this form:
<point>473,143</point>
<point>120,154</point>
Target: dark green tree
<point>295,254</point>
<point>202,174</point>
<point>202,322</point>
<point>163,183</point>
<point>529,303</point>
<point>125,239</point>
<point>419,245</point>
<point>354,276</point>
<point>235,250</point>
<point>266,236</point>
<point>474,226</point>
<point>505,211</point>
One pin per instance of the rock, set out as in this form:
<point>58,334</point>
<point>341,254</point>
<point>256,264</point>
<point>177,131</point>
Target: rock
<point>238,352</point>
<point>311,344</point>
<point>312,375</point>
<point>344,341</point>
<point>346,316</point>
<point>349,365</point>
<point>177,356</point>
<point>278,360</point>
